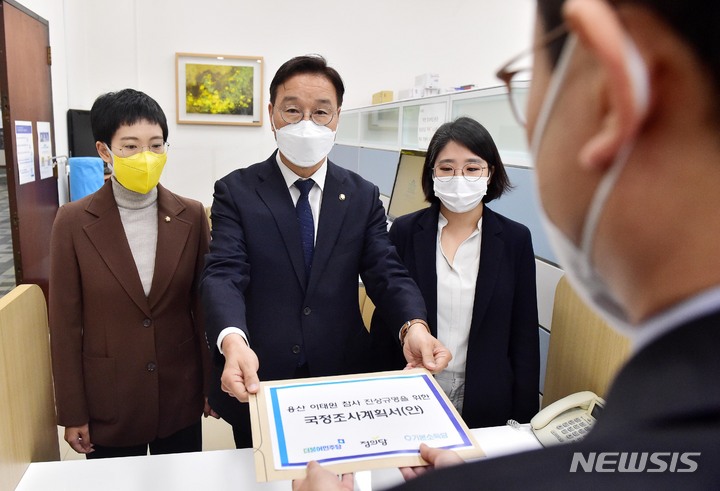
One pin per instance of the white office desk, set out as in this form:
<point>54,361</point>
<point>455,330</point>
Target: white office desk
<point>219,470</point>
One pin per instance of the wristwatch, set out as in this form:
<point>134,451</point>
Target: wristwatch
<point>406,327</point>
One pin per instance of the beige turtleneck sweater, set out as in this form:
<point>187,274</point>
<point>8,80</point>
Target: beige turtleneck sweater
<point>139,216</point>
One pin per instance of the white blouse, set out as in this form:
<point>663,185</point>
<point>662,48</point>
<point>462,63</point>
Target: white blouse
<point>455,300</point>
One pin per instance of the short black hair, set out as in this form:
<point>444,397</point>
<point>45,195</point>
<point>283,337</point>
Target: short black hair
<point>126,107</point>
<point>695,21</point>
<point>473,136</point>
<point>308,64</point>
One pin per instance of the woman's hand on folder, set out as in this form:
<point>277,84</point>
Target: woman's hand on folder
<point>436,457</point>
<point>422,349</point>
<point>239,377</point>
<point>319,479</point>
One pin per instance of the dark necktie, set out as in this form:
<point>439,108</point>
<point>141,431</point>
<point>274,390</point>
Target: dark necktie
<point>305,220</point>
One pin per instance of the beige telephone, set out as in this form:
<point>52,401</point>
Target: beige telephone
<point>567,420</point>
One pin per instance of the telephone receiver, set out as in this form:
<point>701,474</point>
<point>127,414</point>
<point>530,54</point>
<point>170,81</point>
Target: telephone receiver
<point>568,419</point>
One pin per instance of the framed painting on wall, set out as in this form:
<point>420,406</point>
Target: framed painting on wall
<point>219,89</point>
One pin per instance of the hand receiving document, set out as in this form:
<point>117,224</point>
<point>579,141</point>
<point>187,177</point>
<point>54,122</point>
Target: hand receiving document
<point>354,422</point>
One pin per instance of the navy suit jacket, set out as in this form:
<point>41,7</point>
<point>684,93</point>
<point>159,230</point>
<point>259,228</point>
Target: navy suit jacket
<point>666,399</point>
<point>502,369</point>
<point>254,277</point>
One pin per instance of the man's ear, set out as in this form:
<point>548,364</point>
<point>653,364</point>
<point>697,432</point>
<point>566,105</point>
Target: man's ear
<point>270,113</point>
<point>103,152</point>
<point>599,30</point>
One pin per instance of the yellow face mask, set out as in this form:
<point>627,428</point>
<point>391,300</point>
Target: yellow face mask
<point>141,172</point>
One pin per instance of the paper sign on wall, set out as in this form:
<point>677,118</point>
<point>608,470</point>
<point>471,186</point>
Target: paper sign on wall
<point>430,118</point>
<point>44,149</point>
<point>25,151</point>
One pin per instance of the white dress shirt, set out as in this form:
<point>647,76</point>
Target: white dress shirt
<point>315,198</point>
<point>455,300</point>
<point>702,304</point>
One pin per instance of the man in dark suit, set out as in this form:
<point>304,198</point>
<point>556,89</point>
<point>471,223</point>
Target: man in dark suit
<point>290,237</point>
<point>623,117</point>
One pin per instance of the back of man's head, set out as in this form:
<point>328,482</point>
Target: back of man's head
<point>694,21</point>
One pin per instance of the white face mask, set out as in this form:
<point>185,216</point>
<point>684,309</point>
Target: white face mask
<point>304,143</point>
<point>460,195</point>
<point>576,261</point>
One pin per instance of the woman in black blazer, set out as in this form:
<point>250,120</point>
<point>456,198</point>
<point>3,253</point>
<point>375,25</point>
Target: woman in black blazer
<point>476,271</point>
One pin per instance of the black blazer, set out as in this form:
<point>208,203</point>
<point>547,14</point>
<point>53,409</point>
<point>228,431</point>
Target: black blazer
<point>502,369</point>
<point>254,277</point>
<point>666,399</point>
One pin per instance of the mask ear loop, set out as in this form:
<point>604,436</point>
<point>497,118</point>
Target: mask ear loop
<point>637,69</point>
<point>112,159</point>
<point>639,77</point>
<point>272,120</point>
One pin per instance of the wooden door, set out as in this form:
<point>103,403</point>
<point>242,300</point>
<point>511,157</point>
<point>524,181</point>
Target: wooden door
<point>26,92</point>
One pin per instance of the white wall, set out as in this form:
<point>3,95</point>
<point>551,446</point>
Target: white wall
<point>103,45</point>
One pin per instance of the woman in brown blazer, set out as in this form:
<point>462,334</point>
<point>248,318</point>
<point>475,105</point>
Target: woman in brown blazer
<point>130,360</point>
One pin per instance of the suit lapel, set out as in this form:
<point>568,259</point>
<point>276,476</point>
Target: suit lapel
<point>173,233</point>
<point>107,235</point>
<point>274,193</point>
<point>491,251</point>
<point>332,214</point>
<point>425,246</point>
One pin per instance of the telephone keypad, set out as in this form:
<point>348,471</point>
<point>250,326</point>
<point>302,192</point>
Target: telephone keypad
<point>573,430</point>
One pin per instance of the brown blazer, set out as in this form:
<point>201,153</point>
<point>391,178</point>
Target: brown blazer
<point>134,367</point>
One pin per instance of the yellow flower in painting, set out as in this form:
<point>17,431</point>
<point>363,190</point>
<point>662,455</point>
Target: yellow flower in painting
<point>219,89</point>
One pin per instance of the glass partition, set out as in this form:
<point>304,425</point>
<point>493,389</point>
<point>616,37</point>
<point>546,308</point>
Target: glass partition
<point>420,122</point>
<point>380,127</point>
<point>495,114</point>
<point>409,124</point>
<point>347,131</point>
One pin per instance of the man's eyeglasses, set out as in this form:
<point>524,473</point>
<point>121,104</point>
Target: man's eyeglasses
<point>471,171</point>
<point>319,116</point>
<point>517,73</point>
<point>131,150</point>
